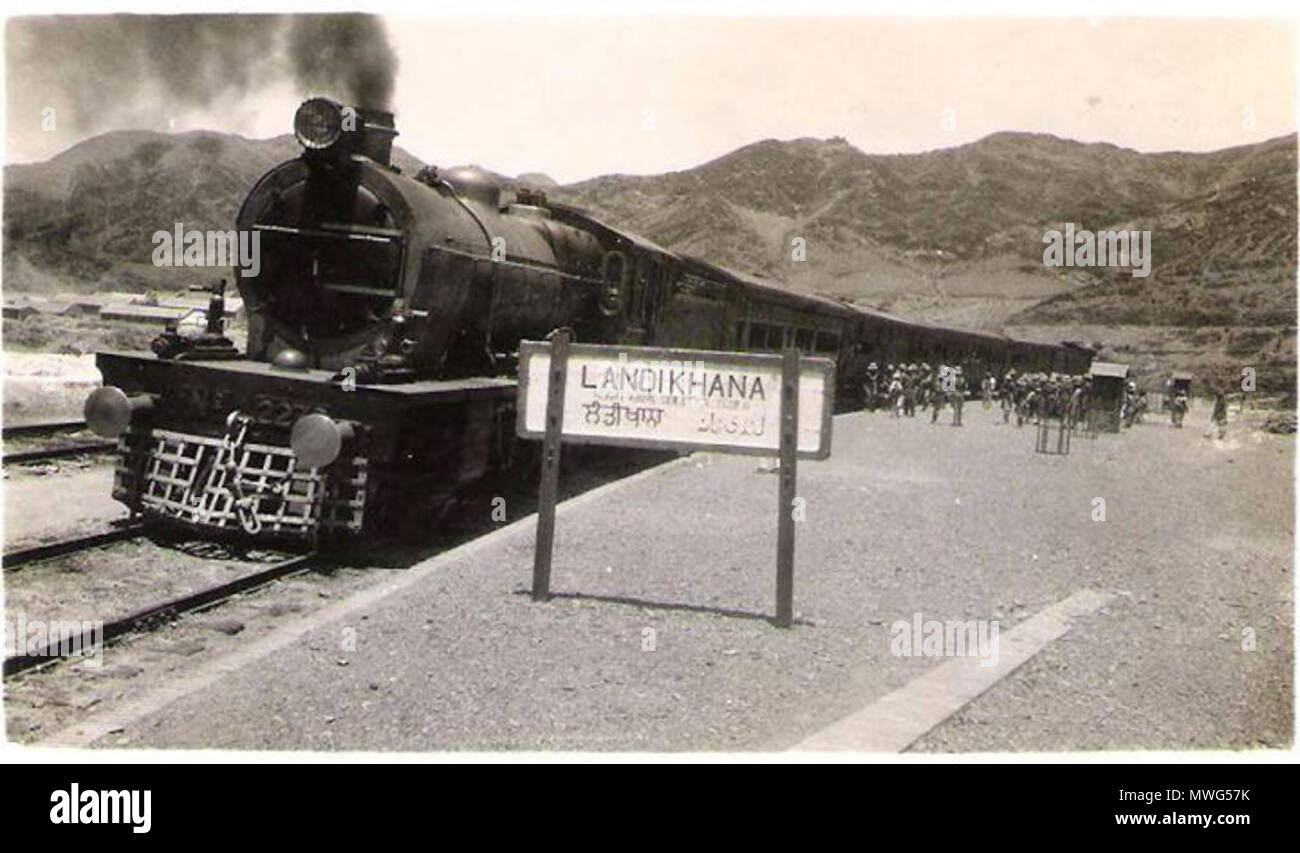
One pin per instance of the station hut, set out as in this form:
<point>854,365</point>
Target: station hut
<point>20,310</point>
<point>1107,397</point>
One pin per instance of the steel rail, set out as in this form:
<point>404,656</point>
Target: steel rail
<point>147,618</point>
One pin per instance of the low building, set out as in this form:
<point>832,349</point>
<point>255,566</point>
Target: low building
<point>1106,400</point>
<point>142,313</point>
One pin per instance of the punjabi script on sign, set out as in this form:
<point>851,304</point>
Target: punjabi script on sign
<point>615,414</point>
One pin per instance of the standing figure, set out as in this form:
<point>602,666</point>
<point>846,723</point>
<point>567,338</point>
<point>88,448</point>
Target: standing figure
<point>896,394</point>
<point>1220,416</point>
<point>1029,404</point>
<point>911,390</point>
<point>938,391</point>
<point>957,396</point>
<point>1178,408</point>
<point>871,387</point>
<point>1074,409</point>
<point>1008,395</point>
<point>1129,404</point>
<point>926,385</point>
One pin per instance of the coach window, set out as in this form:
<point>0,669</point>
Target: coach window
<point>827,342</point>
<point>803,340</point>
<point>650,286</point>
<point>775,337</point>
<point>644,277</point>
<point>611,300</point>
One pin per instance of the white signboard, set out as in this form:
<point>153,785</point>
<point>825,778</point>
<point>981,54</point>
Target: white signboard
<point>689,399</point>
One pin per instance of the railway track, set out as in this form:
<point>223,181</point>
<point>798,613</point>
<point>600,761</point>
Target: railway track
<point>26,457</point>
<point>148,618</point>
<point>50,431</point>
<point>41,430</point>
<point>14,560</point>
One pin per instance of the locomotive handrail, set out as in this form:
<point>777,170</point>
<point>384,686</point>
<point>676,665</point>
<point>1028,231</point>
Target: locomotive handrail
<point>334,235</point>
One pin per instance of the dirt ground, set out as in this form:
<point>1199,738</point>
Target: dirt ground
<point>1196,548</point>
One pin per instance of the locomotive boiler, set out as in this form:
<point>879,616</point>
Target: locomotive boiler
<point>384,321</point>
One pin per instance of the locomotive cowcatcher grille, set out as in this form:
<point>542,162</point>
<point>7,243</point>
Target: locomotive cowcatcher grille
<point>213,452</point>
<point>206,483</point>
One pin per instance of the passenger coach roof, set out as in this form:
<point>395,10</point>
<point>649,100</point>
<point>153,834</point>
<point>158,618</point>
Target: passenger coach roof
<point>637,241</point>
<point>809,299</point>
<point>841,307</point>
<point>1109,368</point>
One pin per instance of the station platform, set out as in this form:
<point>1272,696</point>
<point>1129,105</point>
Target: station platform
<point>659,634</point>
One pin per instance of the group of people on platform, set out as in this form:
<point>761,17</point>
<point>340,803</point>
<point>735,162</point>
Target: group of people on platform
<point>1031,397</point>
<point>905,388</point>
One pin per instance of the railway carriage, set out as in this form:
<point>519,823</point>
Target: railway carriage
<point>383,329</point>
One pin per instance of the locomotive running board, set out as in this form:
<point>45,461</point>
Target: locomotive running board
<point>137,372</point>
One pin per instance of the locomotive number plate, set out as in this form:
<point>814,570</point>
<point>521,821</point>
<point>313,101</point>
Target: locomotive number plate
<point>265,409</point>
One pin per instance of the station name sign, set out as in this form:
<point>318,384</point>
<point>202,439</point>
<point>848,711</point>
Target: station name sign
<point>676,399</point>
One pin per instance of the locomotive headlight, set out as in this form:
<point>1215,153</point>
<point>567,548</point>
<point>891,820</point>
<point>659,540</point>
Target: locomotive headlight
<point>108,410</point>
<point>317,439</point>
<point>318,123</point>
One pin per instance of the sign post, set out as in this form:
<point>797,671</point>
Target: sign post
<point>786,492</point>
<point>756,404</point>
<point>550,486</point>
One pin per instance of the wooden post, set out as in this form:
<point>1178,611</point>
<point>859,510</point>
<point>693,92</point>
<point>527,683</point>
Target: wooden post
<point>786,494</point>
<point>550,486</point>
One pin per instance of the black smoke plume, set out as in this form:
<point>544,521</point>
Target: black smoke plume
<point>347,54</point>
<point>98,67</point>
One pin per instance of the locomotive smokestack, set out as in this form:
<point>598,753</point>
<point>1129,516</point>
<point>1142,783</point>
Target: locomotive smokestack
<point>377,134</point>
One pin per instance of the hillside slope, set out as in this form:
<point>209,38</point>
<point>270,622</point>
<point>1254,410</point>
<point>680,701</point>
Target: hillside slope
<point>953,236</point>
<point>956,235</point>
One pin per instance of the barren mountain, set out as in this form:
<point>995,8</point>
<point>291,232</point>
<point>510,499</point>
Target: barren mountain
<point>954,235</point>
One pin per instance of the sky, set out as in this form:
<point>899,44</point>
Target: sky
<point>575,97</point>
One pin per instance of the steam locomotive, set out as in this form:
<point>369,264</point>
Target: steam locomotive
<point>383,328</point>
